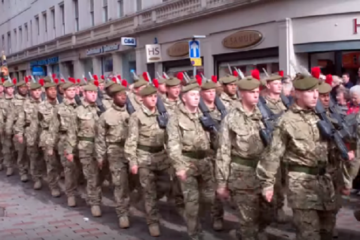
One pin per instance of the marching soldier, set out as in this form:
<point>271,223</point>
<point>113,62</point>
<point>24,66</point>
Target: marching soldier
<point>162,87</point>
<point>16,107</point>
<point>144,148</point>
<point>107,99</point>
<point>81,137</point>
<point>134,96</point>
<point>2,97</point>
<point>172,99</point>
<point>228,95</point>
<point>24,135</point>
<point>63,120</point>
<point>298,143</point>
<point>189,148</point>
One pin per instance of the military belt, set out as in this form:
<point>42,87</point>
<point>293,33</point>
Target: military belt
<point>320,170</point>
<point>87,139</point>
<point>120,143</point>
<point>194,154</point>
<point>245,162</point>
<point>151,149</point>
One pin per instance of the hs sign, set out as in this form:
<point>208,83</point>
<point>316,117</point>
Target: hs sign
<point>153,53</point>
<point>127,41</point>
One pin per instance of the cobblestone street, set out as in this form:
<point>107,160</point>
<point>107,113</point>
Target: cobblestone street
<point>29,214</point>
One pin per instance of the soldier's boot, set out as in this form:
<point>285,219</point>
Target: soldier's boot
<point>335,233</point>
<point>1,167</point>
<point>55,193</point>
<point>24,178</point>
<point>37,185</point>
<point>280,216</point>
<point>96,211</point>
<point>9,172</point>
<point>262,236</point>
<point>71,201</point>
<point>154,230</point>
<point>218,224</point>
<point>357,214</point>
<point>124,222</point>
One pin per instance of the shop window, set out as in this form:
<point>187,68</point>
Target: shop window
<point>107,64</point>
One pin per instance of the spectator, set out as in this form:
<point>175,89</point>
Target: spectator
<point>346,81</point>
<point>358,77</point>
<point>342,98</point>
<point>335,84</point>
<point>354,103</point>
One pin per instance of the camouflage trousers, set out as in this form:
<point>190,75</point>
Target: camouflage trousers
<point>22,158</point>
<point>91,172</point>
<point>313,224</point>
<point>279,188</point>
<point>156,182</point>
<point>197,188</point>
<point>37,164</point>
<point>52,169</point>
<point>9,153</point>
<point>1,152</point>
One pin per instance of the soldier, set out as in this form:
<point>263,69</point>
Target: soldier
<point>63,120</point>
<point>7,144</point>
<point>144,148</point>
<point>162,87</point>
<point>2,97</point>
<point>107,99</point>
<point>172,100</point>
<point>109,142</point>
<point>81,137</point>
<point>298,143</point>
<point>228,96</point>
<point>24,135</point>
<point>189,148</point>
<point>134,96</point>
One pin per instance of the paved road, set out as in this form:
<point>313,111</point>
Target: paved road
<point>28,214</point>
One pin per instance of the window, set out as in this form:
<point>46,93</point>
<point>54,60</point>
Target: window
<point>105,10</point>
<point>62,17</point>
<point>9,42</point>
<point>2,42</point>
<point>26,32</point>
<point>53,18</point>
<point>138,5</point>
<point>20,37</point>
<point>76,8</point>
<point>37,25</point>
<point>31,32</point>
<point>15,40</point>
<point>107,64</point>
<point>45,21</point>
<point>92,17</point>
<point>120,8</point>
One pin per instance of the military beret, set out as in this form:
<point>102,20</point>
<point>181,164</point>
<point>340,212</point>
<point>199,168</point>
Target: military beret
<point>35,85</point>
<point>82,82</point>
<point>21,83</point>
<point>47,79</point>
<point>273,77</point>
<point>49,84</point>
<point>228,79</point>
<point>8,84</point>
<point>305,83</point>
<point>190,87</point>
<point>248,84</point>
<point>148,90</point>
<point>208,85</point>
<point>109,84</point>
<point>116,88</point>
<point>162,80</point>
<point>90,87</point>
<point>140,83</point>
<point>67,85</point>
<point>172,82</point>
<point>324,88</point>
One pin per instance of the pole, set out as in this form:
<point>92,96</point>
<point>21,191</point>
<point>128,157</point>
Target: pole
<point>194,71</point>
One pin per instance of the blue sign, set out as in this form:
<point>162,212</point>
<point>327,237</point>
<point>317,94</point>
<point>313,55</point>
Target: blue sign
<point>38,71</point>
<point>128,41</point>
<point>194,49</point>
<point>44,62</point>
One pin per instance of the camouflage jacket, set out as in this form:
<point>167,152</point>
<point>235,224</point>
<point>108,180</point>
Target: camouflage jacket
<point>144,132</point>
<point>112,128</point>
<point>107,101</point>
<point>239,139</point>
<point>276,106</point>
<point>186,134</point>
<point>136,103</point>
<point>63,120</point>
<point>15,107</point>
<point>4,106</point>
<point>227,100</point>
<point>85,126</point>
<point>171,106</point>
<point>25,117</point>
<point>297,142</point>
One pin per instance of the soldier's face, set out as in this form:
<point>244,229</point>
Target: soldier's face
<point>101,86</point>
<point>250,98</point>
<point>150,101</point>
<point>174,91</point>
<point>325,99</point>
<point>307,98</point>
<point>230,89</point>
<point>51,93</point>
<point>77,90</point>
<point>9,91</point>
<point>36,94</point>
<point>219,88</point>
<point>23,90</point>
<point>162,88</point>
<point>192,98</point>
<point>61,90</point>
<point>208,95</point>
<point>120,98</point>
<point>91,96</point>
<point>70,93</point>
<point>275,86</point>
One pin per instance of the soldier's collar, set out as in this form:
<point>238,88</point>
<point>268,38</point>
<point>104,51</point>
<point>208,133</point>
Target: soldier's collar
<point>226,96</point>
<point>148,112</point>
<point>19,96</point>
<point>68,102</point>
<point>9,97</point>
<point>192,116</point>
<point>33,100</point>
<point>116,107</point>
<point>266,96</point>
<point>255,114</point>
<point>297,109</point>
<point>106,96</point>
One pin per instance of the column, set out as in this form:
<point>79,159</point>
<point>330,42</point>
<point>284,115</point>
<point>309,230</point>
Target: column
<point>78,69</point>
<point>208,60</point>
<point>286,47</point>
<point>140,60</point>
<point>97,66</point>
<point>117,64</point>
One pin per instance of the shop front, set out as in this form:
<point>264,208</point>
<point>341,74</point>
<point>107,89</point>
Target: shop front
<point>45,66</point>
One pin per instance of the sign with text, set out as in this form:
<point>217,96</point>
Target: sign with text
<point>196,62</point>
<point>128,41</point>
<point>153,53</point>
<point>103,49</point>
<point>43,62</point>
<point>356,25</point>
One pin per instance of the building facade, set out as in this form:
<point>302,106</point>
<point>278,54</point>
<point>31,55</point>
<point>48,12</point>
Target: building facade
<point>75,37</point>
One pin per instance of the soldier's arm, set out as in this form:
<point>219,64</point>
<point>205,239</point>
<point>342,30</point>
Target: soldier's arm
<point>100,143</point>
<point>1,122</point>
<point>174,144</point>
<point>223,157</point>
<point>34,128</point>
<point>71,136</point>
<point>19,127</point>
<point>10,119</point>
<point>53,129</point>
<point>270,159</point>
<point>132,140</point>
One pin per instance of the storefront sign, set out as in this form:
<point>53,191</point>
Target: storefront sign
<point>242,39</point>
<point>178,49</point>
<point>153,53</point>
<point>103,49</point>
<point>38,71</point>
<point>356,26</point>
<point>128,41</point>
<point>43,62</point>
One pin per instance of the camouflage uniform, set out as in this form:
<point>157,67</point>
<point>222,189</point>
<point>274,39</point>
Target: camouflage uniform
<point>107,101</point>
<point>189,148</point>
<point>171,106</point>
<point>2,124</point>
<point>227,100</point>
<point>134,101</point>
<point>8,146</point>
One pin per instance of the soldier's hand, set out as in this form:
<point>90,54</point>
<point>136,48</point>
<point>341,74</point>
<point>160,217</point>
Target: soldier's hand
<point>181,174</point>
<point>345,192</point>
<point>100,164</point>
<point>351,155</point>
<point>70,157</point>
<point>269,195</point>
<point>20,139</point>
<point>134,169</point>
<point>50,152</point>
<point>223,192</point>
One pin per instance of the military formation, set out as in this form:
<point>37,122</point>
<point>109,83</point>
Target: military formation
<point>200,142</point>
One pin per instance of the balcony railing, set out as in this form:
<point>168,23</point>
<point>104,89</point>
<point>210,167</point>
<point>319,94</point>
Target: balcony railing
<point>162,14</point>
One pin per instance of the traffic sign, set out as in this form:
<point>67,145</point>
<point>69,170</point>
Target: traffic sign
<point>194,49</point>
<point>196,62</point>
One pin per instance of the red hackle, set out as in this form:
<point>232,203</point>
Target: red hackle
<point>315,72</point>
<point>198,79</point>
<point>255,74</point>
<point>2,80</point>
<point>56,80</point>
<point>62,80</point>
<point>214,78</point>
<point>180,76</point>
<point>102,77</point>
<point>85,79</point>
<point>119,77</point>
<point>156,82</point>
<point>53,75</point>
<point>42,82</point>
<point>145,76</point>
<point>14,81</point>
<point>329,79</point>
<point>281,73</point>
<point>26,79</point>
<point>96,82</point>
<point>95,77</point>
<point>235,73</point>
<point>114,79</point>
<point>124,83</point>
<point>78,80</point>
